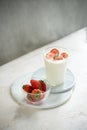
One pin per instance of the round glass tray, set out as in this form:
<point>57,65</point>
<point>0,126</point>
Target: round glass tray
<point>53,100</point>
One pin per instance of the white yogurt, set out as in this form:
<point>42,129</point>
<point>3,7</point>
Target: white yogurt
<point>55,70</point>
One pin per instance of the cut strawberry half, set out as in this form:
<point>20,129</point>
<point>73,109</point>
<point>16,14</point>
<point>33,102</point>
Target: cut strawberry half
<point>50,55</point>
<point>58,57</point>
<point>54,51</point>
<point>64,54</point>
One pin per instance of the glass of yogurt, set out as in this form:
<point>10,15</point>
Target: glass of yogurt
<point>55,65</point>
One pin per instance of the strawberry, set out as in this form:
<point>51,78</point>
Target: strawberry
<point>43,85</point>
<point>27,88</point>
<point>42,95</point>
<point>36,91</point>
<point>54,51</point>
<point>29,97</point>
<point>58,57</point>
<point>35,84</point>
<point>50,55</point>
<point>37,95</point>
<point>64,54</point>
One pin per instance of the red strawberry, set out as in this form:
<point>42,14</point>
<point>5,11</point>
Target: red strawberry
<point>58,57</point>
<point>37,94</point>
<point>54,51</point>
<point>43,85</point>
<point>42,95</point>
<point>36,91</point>
<point>64,54</point>
<point>27,88</point>
<point>50,55</point>
<point>35,84</point>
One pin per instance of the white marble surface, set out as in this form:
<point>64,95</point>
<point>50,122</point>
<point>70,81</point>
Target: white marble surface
<point>70,116</point>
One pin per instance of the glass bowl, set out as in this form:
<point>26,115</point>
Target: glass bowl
<point>38,97</point>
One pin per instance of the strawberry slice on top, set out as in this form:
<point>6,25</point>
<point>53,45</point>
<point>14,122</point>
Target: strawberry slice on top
<point>58,57</point>
<point>54,51</point>
<point>50,55</point>
<point>64,54</point>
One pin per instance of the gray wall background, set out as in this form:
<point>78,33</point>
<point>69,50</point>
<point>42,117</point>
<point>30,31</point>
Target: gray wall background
<point>29,24</point>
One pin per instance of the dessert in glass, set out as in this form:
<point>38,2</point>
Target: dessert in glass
<point>55,65</point>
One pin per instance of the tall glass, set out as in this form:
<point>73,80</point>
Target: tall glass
<point>55,65</point>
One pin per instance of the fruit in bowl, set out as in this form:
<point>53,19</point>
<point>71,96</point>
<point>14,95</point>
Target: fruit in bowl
<point>36,92</point>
